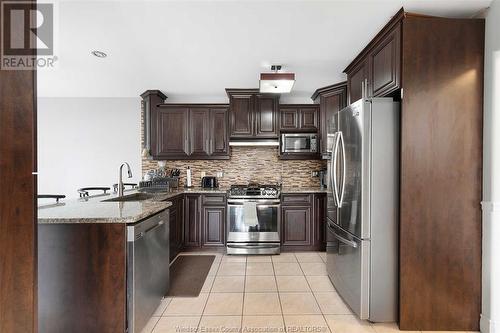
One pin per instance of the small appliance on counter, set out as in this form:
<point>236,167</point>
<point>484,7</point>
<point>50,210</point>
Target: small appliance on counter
<point>209,182</point>
<point>322,178</point>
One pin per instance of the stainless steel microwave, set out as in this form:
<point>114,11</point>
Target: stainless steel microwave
<point>299,143</point>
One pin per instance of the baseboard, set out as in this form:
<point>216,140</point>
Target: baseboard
<point>489,326</point>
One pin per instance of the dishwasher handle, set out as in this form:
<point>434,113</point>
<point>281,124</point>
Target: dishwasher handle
<point>139,230</point>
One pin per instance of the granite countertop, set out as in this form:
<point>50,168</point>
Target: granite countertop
<point>292,190</point>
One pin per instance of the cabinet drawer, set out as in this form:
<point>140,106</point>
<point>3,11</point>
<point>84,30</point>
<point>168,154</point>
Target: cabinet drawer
<point>295,199</point>
<point>213,199</point>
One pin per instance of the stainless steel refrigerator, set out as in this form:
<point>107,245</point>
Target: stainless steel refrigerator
<point>362,214</point>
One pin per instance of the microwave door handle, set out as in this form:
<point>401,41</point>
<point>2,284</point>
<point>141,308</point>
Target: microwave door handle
<point>334,168</point>
<point>282,143</point>
<point>341,199</point>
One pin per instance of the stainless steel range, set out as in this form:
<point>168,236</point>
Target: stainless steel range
<point>253,219</point>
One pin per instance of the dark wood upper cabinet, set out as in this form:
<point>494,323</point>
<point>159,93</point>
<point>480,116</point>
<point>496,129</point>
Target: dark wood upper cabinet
<point>252,115</point>
<point>188,131</point>
<point>219,129</point>
<point>266,124</point>
<point>355,79</point>
<point>199,138</point>
<point>170,133</point>
<point>331,99</point>
<point>299,118</point>
<point>385,60</point>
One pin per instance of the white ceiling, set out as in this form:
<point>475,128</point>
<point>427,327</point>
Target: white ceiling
<point>192,50</point>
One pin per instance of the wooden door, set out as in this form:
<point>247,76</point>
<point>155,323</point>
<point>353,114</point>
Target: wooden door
<point>289,119</point>
<point>192,220</point>
<point>171,139</point>
<point>331,102</point>
<point>214,219</point>
<point>309,120</point>
<point>241,116</point>
<point>199,132</point>
<point>385,62</point>
<point>355,79</point>
<point>266,109</point>
<point>219,141</point>
<point>296,221</point>
<point>18,212</point>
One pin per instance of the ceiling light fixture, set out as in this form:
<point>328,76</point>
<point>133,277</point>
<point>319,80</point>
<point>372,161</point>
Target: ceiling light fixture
<point>276,82</point>
<point>99,54</point>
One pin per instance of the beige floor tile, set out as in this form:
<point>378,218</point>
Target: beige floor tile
<point>320,283</point>
<point>348,324</point>
<point>163,305</point>
<point>234,258</point>
<point>331,303</point>
<point>259,268</point>
<point>220,324</point>
<point>228,284</point>
<point>215,267</point>
<point>150,325</point>
<point>186,306</point>
<point>284,257</point>
<point>290,283</point>
<point>299,303</point>
<point>261,304</point>
<point>313,268</point>
<point>306,323</point>
<point>177,324</point>
<point>259,259</point>
<point>389,328</point>
<point>260,284</point>
<point>224,304</point>
<point>232,268</point>
<point>263,324</point>
<point>207,286</point>
<point>323,256</point>
<point>287,268</point>
<point>311,257</point>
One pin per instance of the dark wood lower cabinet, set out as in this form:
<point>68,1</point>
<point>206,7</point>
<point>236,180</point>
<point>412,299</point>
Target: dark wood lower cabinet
<point>214,219</point>
<point>192,220</point>
<point>176,225</point>
<point>303,221</point>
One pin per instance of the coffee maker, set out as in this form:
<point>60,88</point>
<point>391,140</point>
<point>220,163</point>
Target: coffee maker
<point>322,178</point>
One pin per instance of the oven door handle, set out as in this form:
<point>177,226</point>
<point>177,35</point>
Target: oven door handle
<point>239,202</point>
<point>260,246</point>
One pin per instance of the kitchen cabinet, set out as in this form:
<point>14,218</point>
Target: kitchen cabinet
<point>189,131</point>
<point>425,56</point>
<point>252,115</point>
<point>303,221</point>
<point>356,78</point>
<point>192,220</point>
<point>331,99</point>
<point>299,118</point>
<point>176,225</point>
<point>213,226</point>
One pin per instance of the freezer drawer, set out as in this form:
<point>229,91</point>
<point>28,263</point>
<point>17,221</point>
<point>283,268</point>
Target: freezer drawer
<point>348,266</point>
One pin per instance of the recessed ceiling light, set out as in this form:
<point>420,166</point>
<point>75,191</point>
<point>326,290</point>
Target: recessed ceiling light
<point>99,54</point>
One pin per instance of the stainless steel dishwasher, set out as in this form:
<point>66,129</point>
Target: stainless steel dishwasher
<point>147,269</point>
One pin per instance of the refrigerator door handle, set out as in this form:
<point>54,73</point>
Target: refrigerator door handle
<point>341,199</point>
<point>334,167</point>
<point>342,239</point>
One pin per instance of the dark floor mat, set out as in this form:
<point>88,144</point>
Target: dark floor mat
<point>188,274</point>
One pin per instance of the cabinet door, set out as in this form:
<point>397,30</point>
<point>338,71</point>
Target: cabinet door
<point>296,225</point>
<point>266,109</point>
<point>219,141</point>
<point>214,226</point>
<point>385,62</point>
<point>171,140</point>
<point>309,119</point>
<point>330,104</point>
<point>241,116</point>
<point>192,220</point>
<point>289,119</point>
<point>199,132</point>
<point>355,79</point>
<point>319,220</point>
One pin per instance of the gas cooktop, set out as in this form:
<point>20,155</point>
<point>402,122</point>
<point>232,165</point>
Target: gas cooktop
<point>254,191</point>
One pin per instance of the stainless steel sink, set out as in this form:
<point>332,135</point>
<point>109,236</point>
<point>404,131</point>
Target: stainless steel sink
<point>131,197</point>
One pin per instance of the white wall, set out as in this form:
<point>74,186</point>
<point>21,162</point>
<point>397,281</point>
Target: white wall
<point>83,141</point>
<point>490,317</point>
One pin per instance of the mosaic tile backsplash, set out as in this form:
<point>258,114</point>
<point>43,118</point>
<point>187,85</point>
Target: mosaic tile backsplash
<point>258,164</point>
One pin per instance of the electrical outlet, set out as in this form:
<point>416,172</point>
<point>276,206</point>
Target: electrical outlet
<point>220,174</point>
<point>314,174</point>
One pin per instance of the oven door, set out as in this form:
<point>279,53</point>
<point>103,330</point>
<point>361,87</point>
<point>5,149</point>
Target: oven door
<point>268,221</point>
<point>297,143</point>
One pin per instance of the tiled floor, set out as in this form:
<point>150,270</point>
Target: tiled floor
<point>263,294</point>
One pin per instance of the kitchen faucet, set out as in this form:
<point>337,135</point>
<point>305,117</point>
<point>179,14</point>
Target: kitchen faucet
<point>120,180</point>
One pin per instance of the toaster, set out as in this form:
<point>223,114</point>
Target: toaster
<point>209,182</point>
